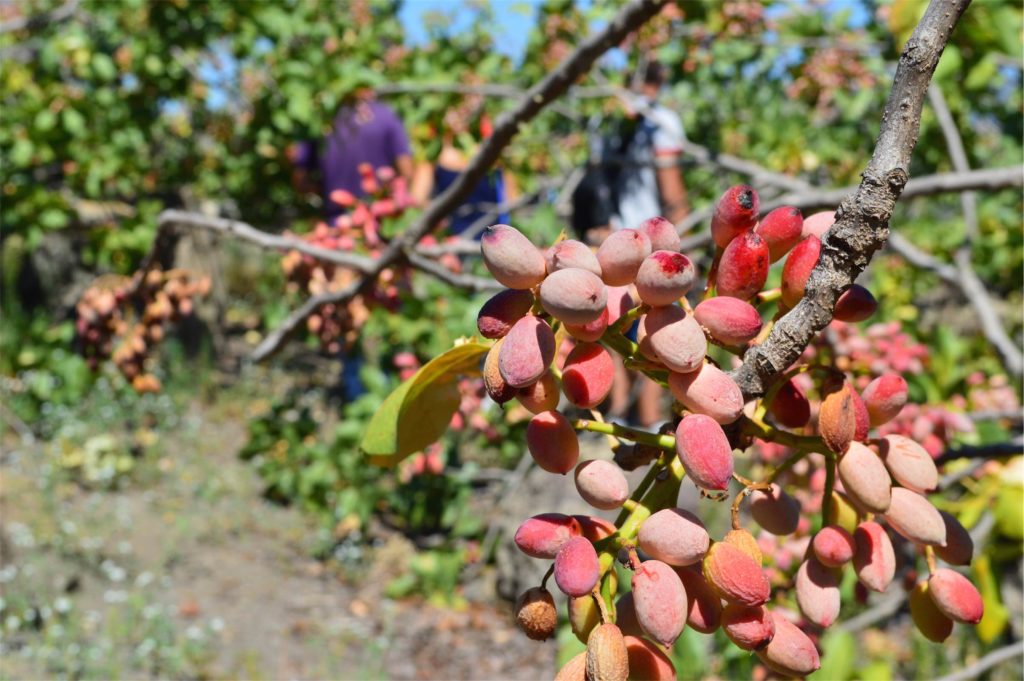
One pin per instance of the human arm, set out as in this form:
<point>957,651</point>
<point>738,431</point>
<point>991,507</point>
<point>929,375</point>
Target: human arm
<point>671,187</point>
<point>399,148</point>
<point>422,183</point>
<point>511,186</point>
<point>668,142</point>
<point>405,167</point>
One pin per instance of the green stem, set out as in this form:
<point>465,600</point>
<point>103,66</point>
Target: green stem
<point>614,340</point>
<point>655,372</point>
<point>786,465</point>
<point>760,429</point>
<point>709,288</point>
<point>830,481</point>
<point>626,320</point>
<point>667,442</point>
<point>663,494</point>
<point>646,366</point>
<point>640,490</point>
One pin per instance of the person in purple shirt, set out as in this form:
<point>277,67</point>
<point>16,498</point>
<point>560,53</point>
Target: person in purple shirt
<point>364,131</point>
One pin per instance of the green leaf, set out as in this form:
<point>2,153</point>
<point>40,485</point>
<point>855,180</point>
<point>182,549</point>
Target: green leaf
<point>880,670</point>
<point>982,73</point>
<point>300,106</point>
<point>74,121</point>
<point>21,154</point>
<point>418,412</point>
<point>281,121</point>
<point>53,218</point>
<point>103,67</point>
<point>950,64</point>
<point>1007,510</point>
<point>45,120</point>
<point>996,616</point>
<point>840,656</point>
<point>153,65</point>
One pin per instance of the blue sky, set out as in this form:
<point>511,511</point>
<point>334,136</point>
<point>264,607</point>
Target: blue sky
<point>516,17</point>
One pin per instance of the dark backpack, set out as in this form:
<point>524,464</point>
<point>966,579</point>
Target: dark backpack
<point>594,200</point>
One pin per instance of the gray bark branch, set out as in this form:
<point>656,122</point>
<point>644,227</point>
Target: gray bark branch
<point>928,185</point>
<point>968,281</point>
<point>171,219</point>
<point>996,657</point>
<point>818,198</point>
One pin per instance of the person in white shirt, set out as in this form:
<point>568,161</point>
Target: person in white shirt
<point>650,181</point>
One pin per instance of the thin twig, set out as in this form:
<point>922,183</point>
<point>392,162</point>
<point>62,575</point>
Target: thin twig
<point>464,281</point>
<point>902,247</point>
<point>882,610</point>
<point>759,175</point>
<point>963,277</point>
<point>512,482</point>
<point>950,479</point>
<point>170,219</point>
<point>1015,415</point>
<point>992,451</point>
<point>17,425</point>
<point>968,281</point>
<point>926,185</point>
<point>979,533</point>
<point>997,656</point>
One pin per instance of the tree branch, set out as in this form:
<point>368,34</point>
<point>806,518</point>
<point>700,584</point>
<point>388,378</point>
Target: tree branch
<point>484,89</point>
<point>760,176</point>
<point>463,281</point>
<point>997,656</point>
<point>628,19</point>
<point>884,609</point>
<point>169,219</point>
<point>973,290</point>
<point>862,223</point>
<point>928,185</point>
<point>968,280</point>
<point>822,199</point>
<point>902,247</point>
<point>1014,447</point>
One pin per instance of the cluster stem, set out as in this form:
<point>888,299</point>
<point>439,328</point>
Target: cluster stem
<point>657,491</point>
<point>666,442</point>
<point>830,481</point>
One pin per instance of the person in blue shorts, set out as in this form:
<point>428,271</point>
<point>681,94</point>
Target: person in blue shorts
<point>464,128</point>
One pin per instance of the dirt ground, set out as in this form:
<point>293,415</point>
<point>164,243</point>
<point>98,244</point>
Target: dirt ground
<point>185,571</point>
